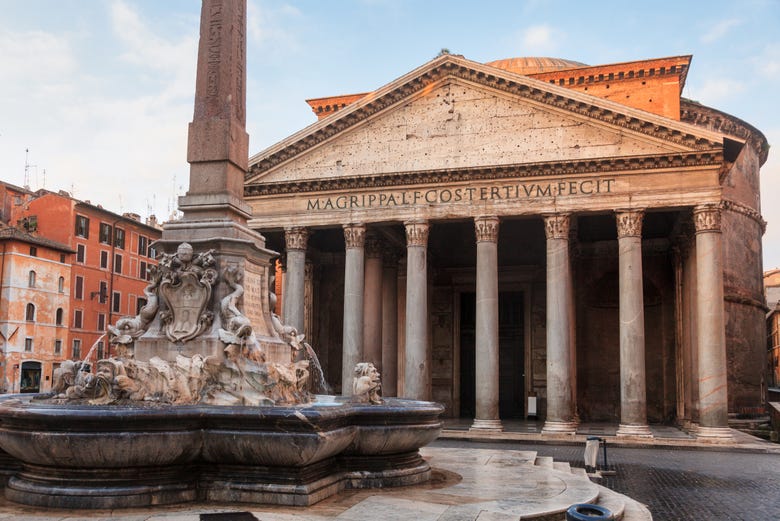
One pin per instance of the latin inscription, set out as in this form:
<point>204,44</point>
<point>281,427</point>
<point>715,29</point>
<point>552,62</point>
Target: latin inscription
<point>465,195</point>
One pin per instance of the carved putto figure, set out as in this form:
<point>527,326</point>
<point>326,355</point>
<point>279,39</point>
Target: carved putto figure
<point>366,384</point>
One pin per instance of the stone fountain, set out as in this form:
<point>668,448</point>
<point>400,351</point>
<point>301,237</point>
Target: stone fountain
<point>208,397</point>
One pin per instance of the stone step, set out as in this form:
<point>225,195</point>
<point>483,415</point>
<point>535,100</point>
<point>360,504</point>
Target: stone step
<point>579,471</point>
<point>544,461</point>
<point>562,466</point>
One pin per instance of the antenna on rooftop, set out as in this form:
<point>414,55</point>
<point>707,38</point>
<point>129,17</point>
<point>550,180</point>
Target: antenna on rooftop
<point>27,167</point>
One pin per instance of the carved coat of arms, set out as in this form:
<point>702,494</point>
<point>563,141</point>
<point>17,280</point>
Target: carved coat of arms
<point>185,287</point>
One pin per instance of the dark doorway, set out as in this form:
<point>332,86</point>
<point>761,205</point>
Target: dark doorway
<point>511,354</point>
<point>30,378</point>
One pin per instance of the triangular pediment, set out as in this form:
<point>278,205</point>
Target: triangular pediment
<point>457,115</point>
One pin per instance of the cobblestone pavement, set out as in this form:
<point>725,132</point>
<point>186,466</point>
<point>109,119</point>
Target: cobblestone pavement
<point>678,484</point>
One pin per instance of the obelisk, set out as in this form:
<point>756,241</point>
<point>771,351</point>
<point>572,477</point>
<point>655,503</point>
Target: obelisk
<point>214,212</point>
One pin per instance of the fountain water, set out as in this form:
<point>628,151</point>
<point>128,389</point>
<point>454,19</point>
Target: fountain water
<point>205,399</point>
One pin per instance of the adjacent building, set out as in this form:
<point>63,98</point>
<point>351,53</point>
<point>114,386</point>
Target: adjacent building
<point>772,288</point>
<point>528,231</point>
<point>107,256</point>
<point>110,267</point>
<point>35,302</point>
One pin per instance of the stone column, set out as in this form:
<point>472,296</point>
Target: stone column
<point>560,410</point>
<point>710,321</point>
<point>372,304</point>
<point>354,238</point>
<point>487,416</point>
<point>390,324</point>
<point>293,299</point>
<point>633,396</point>
<point>417,372</point>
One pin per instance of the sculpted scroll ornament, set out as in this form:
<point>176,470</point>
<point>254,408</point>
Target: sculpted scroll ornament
<point>706,218</point>
<point>185,287</point>
<point>486,229</point>
<point>629,223</point>
<point>556,226</point>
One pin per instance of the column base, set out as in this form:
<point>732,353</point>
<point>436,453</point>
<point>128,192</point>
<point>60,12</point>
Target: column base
<point>559,427</point>
<point>634,431</point>
<point>714,434</point>
<point>487,426</point>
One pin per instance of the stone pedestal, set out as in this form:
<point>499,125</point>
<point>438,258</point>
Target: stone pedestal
<point>487,367</point>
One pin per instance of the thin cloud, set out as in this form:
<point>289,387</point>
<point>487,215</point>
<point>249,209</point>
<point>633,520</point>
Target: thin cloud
<point>715,90</point>
<point>539,39</point>
<point>768,63</point>
<point>269,26</point>
<point>720,29</point>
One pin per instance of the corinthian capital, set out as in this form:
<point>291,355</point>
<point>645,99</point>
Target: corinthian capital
<point>416,233</point>
<point>706,218</point>
<point>354,235</point>
<point>629,223</point>
<point>486,228</point>
<point>296,238</point>
<point>556,226</point>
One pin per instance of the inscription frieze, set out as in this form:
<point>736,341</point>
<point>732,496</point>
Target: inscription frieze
<point>462,194</point>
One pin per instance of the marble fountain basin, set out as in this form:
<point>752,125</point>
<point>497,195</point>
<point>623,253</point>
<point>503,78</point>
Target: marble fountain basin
<point>115,456</point>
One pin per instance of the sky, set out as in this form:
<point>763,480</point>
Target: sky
<point>96,95</point>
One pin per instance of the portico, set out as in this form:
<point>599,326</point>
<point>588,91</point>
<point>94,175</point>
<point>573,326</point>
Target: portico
<point>484,237</point>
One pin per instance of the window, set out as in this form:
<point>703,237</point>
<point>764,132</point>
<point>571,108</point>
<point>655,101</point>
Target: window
<point>33,251</point>
<point>104,259</point>
<point>117,263</point>
<point>58,316</point>
<point>82,226</point>
<point>103,293</point>
<point>100,348</point>
<point>81,253</point>
<point>76,349</point>
<point>29,313</point>
<point>31,279</point>
<point>58,347</point>
<point>119,238</point>
<point>79,290</point>
<point>101,325</point>
<point>140,303</point>
<point>62,258</point>
<point>152,252</point>
<point>28,345</point>
<point>61,284</point>
<point>116,302</point>
<point>105,233</point>
<point>143,245</point>
<point>143,272</point>
<point>78,319</point>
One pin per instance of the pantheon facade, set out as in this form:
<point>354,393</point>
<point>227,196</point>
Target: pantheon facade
<point>530,236</point>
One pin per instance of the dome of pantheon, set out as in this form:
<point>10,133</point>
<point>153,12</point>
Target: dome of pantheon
<point>534,65</point>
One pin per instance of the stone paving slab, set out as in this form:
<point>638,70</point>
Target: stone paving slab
<point>468,484</point>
